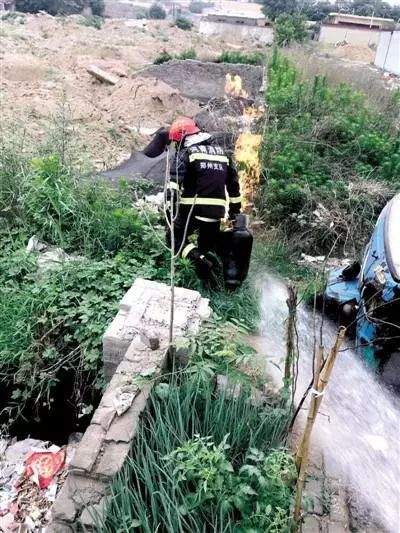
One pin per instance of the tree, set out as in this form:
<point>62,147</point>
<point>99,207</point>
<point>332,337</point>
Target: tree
<point>97,7</point>
<point>290,28</point>
<point>53,7</point>
<point>273,8</point>
<point>316,11</point>
<point>157,12</point>
<point>196,6</point>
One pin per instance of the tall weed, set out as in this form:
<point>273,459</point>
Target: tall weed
<point>204,461</point>
<point>330,161</point>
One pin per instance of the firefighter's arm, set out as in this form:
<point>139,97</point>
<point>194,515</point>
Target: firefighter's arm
<point>233,188</point>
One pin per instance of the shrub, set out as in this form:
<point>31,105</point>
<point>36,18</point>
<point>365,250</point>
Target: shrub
<point>157,12</point>
<point>93,21</point>
<point>166,56</point>
<point>163,58</point>
<point>187,54</point>
<point>289,29</point>
<point>330,161</point>
<point>183,23</point>
<point>250,58</point>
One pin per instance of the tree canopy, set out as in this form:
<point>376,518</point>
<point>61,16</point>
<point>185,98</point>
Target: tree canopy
<point>318,9</point>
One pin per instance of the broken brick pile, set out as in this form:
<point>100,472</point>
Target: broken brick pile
<point>134,346</point>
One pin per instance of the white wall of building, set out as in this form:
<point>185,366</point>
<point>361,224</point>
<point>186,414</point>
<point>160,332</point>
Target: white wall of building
<point>237,32</point>
<point>337,33</point>
<point>388,52</point>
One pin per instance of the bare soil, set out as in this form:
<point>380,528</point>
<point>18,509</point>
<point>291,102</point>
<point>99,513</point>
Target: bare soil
<point>43,75</point>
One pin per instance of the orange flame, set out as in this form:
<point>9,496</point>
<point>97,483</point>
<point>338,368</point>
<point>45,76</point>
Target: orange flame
<point>234,86</point>
<point>247,156</point>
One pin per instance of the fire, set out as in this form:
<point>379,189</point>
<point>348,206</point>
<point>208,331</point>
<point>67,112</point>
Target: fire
<point>252,113</point>
<point>234,86</point>
<point>248,144</point>
<point>247,156</point>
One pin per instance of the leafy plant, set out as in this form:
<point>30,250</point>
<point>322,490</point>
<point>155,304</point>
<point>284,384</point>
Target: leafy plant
<point>163,58</point>
<point>289,29</point>
<point>330,160</point>
<point>188,464</point>
<point>273,8</point>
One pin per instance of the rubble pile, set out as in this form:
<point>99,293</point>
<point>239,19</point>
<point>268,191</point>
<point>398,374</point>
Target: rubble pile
<point>32,473</point>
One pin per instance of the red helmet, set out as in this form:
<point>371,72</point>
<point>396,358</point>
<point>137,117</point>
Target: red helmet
<point>181,127</point>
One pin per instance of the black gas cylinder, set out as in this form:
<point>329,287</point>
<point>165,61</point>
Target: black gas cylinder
<point>236,247</point>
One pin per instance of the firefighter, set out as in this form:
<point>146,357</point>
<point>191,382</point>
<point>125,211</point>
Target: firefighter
<point>202,176</point>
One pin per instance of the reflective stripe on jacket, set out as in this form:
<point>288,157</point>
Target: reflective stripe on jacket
<point>206,176</point>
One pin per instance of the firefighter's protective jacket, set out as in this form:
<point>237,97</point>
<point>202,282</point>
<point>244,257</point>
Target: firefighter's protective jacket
<point>206,176</point>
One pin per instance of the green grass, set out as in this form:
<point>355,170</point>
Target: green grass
<point>330,161</point>
<point>150,495</point>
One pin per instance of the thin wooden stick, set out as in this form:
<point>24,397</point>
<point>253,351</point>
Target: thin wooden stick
<point>291,302</point>
<point>320,382</point>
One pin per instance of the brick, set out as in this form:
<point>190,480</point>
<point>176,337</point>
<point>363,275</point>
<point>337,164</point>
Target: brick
<point>103,416</point>
<point>88,449</point>
<point>339,511</point>
<point>338,528</point>
<point>311,524</point>
<point>60,527</point>
<point>64,507</point>
<point>112,459</point>
<point>92,513</point>
<point>124,427</point>
<point>85,491</point>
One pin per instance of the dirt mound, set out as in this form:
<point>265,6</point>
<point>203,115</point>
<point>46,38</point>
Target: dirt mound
<point>147,102</point>
<point>44,61</point>
<point>203,81</point>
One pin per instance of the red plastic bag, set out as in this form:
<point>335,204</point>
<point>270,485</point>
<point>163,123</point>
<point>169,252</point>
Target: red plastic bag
<point>42,466</point>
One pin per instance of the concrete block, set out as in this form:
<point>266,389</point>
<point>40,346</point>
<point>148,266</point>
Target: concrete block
<point>135,344</point>
<point>132,296</point>
<point>112,459</point>
<point>88,449</point>
<point>102,75</point>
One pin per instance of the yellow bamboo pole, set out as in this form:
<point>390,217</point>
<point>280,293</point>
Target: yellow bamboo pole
<point>291,302</point>
<point>321,379</point>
